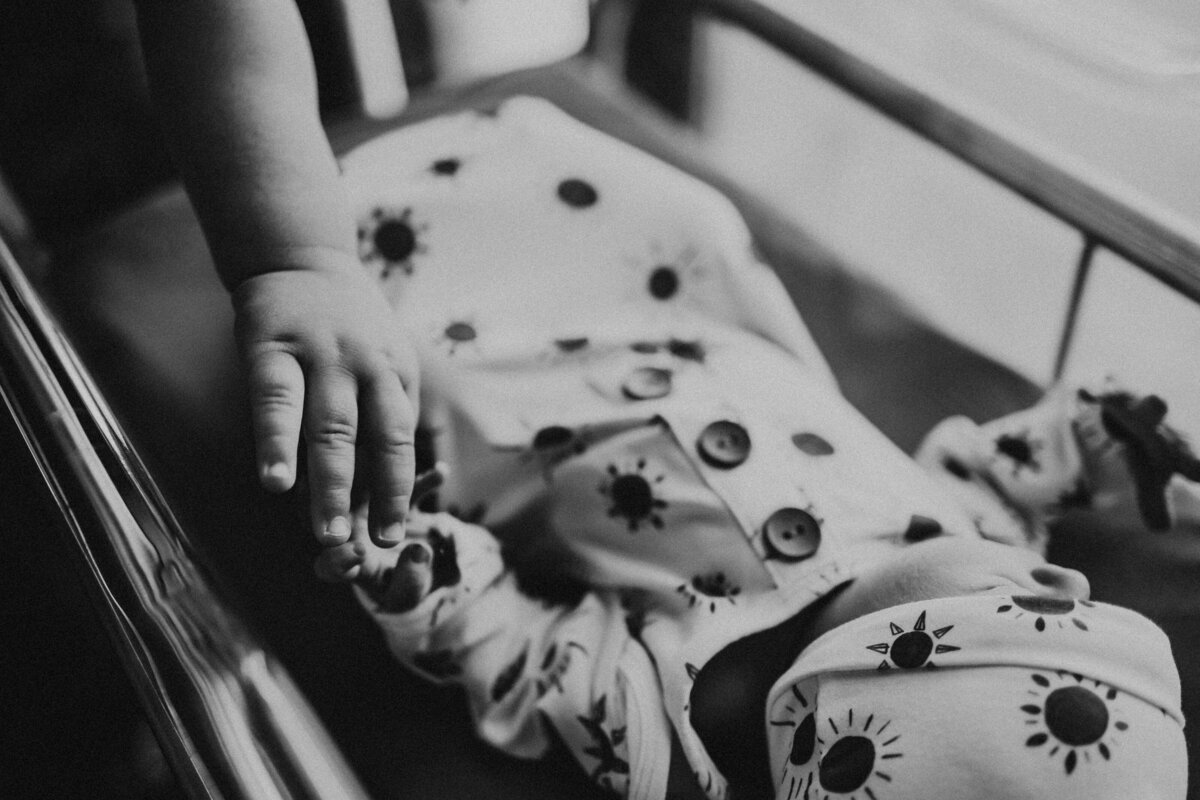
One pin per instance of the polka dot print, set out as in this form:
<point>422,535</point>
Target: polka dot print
<point>663,283</point>
<point>577,193</point>
<point>446,166</point>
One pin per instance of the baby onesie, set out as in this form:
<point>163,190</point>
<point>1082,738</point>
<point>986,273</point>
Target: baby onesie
<point>622,389</point>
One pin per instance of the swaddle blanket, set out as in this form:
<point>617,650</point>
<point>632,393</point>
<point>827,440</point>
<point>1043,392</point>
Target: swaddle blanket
<point>623,389</point>
<point>982,698</point>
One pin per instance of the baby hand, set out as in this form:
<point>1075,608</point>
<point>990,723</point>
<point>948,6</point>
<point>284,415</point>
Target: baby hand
<point>326,360</point>
<point>398,579</point>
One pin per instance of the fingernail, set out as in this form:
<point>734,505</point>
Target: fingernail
<point>278,474</point>
<point>337,531</point>
<point>391,534</point>
<point>416,553</point>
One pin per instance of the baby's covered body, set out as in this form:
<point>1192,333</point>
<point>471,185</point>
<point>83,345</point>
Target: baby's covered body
<point>624,391</point>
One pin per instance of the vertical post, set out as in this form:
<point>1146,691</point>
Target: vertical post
<point>374,56</point>
<point>1082,269</point>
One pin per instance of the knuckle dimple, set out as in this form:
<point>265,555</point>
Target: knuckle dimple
<point>276,398</point>
<point>332,433</point>
<point>394,444</point>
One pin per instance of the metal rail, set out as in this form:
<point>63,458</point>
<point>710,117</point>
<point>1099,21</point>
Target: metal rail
<point>1163,246</point>
<point>226,714</point>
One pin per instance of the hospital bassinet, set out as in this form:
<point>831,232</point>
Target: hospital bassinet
<point>118,370</point>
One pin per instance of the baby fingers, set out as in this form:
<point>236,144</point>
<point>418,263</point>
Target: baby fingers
<point>387,444</point>
<point>276,401</point>
<point>410,581</point>
<point>340,563</point>
<point>330,432</point>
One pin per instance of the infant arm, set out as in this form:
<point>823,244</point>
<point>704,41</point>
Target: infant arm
<point>236,90</point>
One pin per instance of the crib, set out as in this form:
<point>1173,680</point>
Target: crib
<point>119,374</point>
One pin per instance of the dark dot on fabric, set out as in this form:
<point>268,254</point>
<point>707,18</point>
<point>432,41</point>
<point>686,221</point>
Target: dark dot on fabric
<point>460,332</point>
<point>811,444</point>
<point>577,193</point>
<point>804,741</point>
<point>573,345</point>
<point>632,497</point>
<point>1044,605</point>
<point>957,469</point>
<point>1015,447</point>
<point>552,436</point>
<point>446,166</point>
<point>688,350</point>
<point>1076,716</point>
<point>395,240</point>
<point>1037,740</point>
<point>663,283</point>
<point>921,528</point>
<point>847,765</point>
<point>508,677</point>
<point>910,650</point>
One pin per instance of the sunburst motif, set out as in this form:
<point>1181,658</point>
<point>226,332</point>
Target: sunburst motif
<point>632,497</point>
<point>1077,720</point>
<point>1059,610</point>
<point>389,238</point>
<point>853,760</point>
<point>709,589</point>
<point>912,649</point>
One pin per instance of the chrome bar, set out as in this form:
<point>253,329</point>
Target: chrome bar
<point>374,56</point>
<point>1155,240</point>
<point>227,716</point>
<point>1083,268</point>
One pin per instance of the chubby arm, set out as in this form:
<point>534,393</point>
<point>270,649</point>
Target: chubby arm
<point>236,90</point>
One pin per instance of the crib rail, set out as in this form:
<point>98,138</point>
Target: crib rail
<point>1106,215</point>
<point>228,717</point>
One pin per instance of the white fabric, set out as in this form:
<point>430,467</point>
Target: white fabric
<point>980,698</point>
<point>540,267</point>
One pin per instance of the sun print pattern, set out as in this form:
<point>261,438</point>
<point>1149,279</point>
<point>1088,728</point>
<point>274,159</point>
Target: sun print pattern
<point>1072,717</point>
<point>912,649</point>
<point>1057,610</point>
<point>852,761</point>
